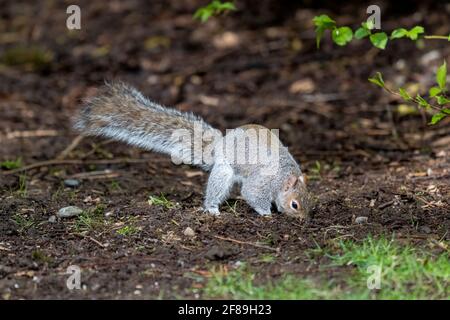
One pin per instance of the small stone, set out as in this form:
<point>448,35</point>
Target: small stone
<point>226,40</point>
<point>72,183</point>
<point>108,214</point>
<point>302,86</point>
<point>425,229</point>
<point>441,154</point>
<point>52,219</point>
<point>189,232</point>
<point>219,253</point>
<point>238,264</point>
<point>68,212</point>
<point>361,220</point>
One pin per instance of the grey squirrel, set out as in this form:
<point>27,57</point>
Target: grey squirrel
<point>265,170</point>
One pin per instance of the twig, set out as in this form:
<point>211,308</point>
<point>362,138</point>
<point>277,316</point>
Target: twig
<point>72,162</point>
<point>90,238</point>
<point>444,176</point>
<point>386,204</point>
<point>124,261</point>
<point>4,249</point>
<point>32,134</point>
<point>248,243</point>
<point>436,37</point>
<point>75,142</point>
<point>92,175</point>
<point>96,146</point>
<point>415,100</point>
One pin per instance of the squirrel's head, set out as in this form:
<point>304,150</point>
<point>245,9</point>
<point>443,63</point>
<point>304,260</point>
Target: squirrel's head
<point>294,198</point>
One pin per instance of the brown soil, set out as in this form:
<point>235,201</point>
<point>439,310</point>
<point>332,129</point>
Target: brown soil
<point>375,162</point>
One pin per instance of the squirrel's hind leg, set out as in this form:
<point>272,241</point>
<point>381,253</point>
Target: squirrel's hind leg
<point>219,185</point>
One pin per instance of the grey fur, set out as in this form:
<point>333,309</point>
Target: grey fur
<point>121,112</point>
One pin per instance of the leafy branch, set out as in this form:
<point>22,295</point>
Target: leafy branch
<point>439,93</point>
<point>214,8</point>
<point>342,35</point>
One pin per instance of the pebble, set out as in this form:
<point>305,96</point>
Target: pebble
<point>72,183</point>
<point>189,232</point>
<point>361,220</point>
<point>425,229</point>
<point>68,212</point>
<point>108,214</point>
<point>220,253</point>
<point>52,219</point>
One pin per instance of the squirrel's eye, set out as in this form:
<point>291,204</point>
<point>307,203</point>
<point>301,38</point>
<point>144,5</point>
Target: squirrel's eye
<point>294,205</point>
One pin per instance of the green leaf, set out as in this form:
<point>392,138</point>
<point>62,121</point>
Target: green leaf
<point>405,95</point>
<point>379,39</point>
<point>422,102</point>
<point>214,8</point>
<point>441,76</point>
<point>361,33</point>
<point>434,91</point>
<point>442,100</point>
<point>413,34</point>
<point>341,36</point>
<point>446,111</point>
<point>437,117</point>
<point>226,6</point>
<point>322,23</point>
<point>449,37</point>
<point>378,80</point>
<point>369,24</point>
<point>11,164</point>
<point>203,14</point>
<point>399,33</point>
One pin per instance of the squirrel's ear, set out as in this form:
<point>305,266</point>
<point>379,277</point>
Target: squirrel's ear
<point>303,179</point>
<point>290,182</point>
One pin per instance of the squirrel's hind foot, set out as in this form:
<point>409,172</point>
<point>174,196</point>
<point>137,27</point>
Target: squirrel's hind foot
<point>212,210</point>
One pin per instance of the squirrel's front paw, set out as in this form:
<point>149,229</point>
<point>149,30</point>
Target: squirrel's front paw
<point>212,210</point>
<point>263,212</point>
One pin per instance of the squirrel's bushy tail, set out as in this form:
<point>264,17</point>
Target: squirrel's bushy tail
<point>122,113</point>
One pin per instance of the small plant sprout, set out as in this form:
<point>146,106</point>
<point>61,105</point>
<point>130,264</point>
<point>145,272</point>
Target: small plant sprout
<point>22,185</point>
<point>90,220</point>
<point>214,8</point>
<point>161,201</point>
<point>23,222</point>
<point>316,171</point>
<point>128,231</point>
<point>11,164</point>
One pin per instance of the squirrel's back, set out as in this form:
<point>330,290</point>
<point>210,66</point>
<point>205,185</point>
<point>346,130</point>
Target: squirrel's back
<point>122,113</point>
